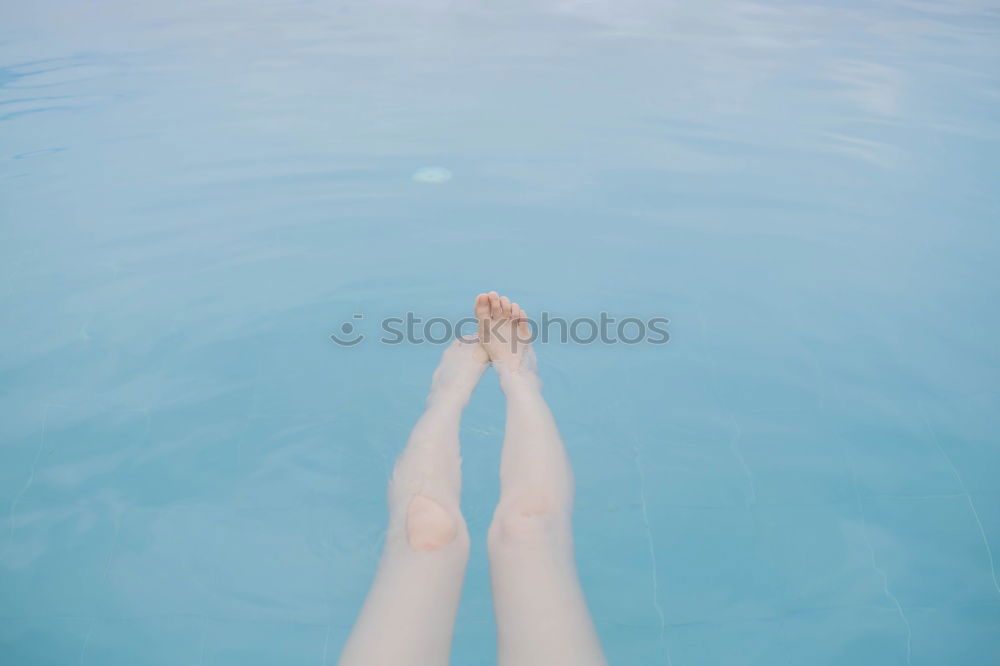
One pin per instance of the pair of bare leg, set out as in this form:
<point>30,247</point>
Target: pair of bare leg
<point>542,617</point>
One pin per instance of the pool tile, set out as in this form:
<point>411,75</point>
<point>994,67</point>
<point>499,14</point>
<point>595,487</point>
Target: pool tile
<point>962,634</point>
<point>56,559</point>
<point>217,552</point>
<point>248,643</point>
<point>718,564</point>
<point>931,550</point>
<point>792,461</point>
<point>965,431</point>
<point>618,562</point>
<point>165,641</point>
<point>46,640</point>
<point>860,636</point>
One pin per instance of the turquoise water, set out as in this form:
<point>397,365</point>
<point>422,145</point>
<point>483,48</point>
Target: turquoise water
<point>195,195</point>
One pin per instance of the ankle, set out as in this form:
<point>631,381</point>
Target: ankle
<point>518,380</point>
<point>448,399</point>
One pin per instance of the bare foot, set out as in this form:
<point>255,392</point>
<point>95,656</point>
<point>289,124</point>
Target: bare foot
<point>504,333</point>
<point>462,364</point>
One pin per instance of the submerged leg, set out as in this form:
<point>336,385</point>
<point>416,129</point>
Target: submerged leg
<point>541,613</point>
<point>409,615</point>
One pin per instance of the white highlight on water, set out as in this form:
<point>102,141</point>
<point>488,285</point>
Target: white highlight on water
<point>432,175</point>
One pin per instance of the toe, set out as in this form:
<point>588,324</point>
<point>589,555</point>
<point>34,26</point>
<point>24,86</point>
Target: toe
<point>505,306</point>
<point>482,307</point>
<point>523,329</point>
<point>494,304</point>
<point>515,316</point>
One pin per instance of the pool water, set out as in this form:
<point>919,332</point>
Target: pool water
<point>195,195</point>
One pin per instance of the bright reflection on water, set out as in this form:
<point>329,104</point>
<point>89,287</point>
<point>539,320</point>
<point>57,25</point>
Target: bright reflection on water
<point>194,195</point>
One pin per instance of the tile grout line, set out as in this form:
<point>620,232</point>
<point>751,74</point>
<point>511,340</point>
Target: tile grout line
<point>326,644</point>
<point>31,477</point>
<point>881,572</point>
<point>968,498</point>
<point>86,640</point>
<point>734,441</point>
<point>637,459</point>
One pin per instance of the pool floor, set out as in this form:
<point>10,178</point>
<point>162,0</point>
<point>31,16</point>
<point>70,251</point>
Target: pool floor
<point>195,196</point>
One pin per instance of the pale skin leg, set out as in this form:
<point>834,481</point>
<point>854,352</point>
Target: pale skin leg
<point>542,617</point>
<point>409,615</point>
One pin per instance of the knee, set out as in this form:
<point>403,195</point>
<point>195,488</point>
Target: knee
<point>530,520</point>
<point>430,526</point>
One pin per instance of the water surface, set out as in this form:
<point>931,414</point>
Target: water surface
<point>195,195</point>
